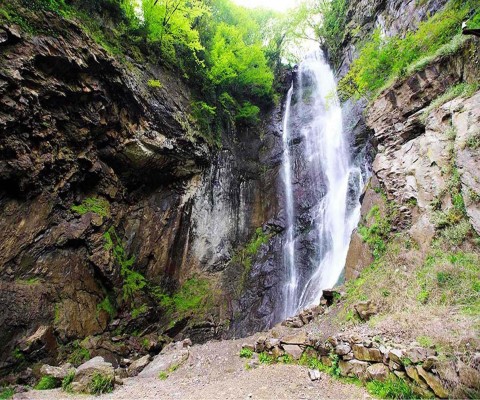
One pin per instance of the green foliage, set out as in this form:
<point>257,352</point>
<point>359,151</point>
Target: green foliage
<point>205,117</point>
<point>193,297</point>
<point>248,114</point>
<point>46,383</point>
<point>95,205</point>
<point>286,359</point>
<point>17,354</point>
<point>392,388</point>
<point>79,354</point>
<point>382,60</point>
<point>154,83</point>
<point>137,311</point>
<point>246,353</point>
<point>244,255</point>
<point>376,232</point>
<point>332,27</point>
<point>67,381</point>
<point>162,375</point>
<point>266,358</point>
<point>460,90</point>
<point>451,278</point>
<point>133,281</point>
<point>100,384</point>
<point>107,306</point>
<point>6,393</point>
<point>424,341</point>
<point>474,22</point>
<point>165,374</point>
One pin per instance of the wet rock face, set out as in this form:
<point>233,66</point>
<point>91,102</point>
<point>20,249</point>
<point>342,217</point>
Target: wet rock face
<point>76,124</point>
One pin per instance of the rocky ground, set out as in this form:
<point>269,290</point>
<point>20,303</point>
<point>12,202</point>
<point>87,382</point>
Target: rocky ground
<point>215,371</point>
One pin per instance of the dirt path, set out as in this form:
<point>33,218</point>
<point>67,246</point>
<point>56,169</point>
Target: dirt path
<point>215,371</point>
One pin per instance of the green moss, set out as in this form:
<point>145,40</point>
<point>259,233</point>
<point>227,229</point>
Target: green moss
<point>100,384</point>
<point>17,354</point>
<point>46,383</point>
<point>94,205</point>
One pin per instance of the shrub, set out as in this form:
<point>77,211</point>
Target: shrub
<point>133,281</point>
<point>46,383</point>
<point>107,306</point>
<point>6,393</point>
<point>266,358</point>
<point>100,384</point>
<point>382,60</point>
<point>246,353</point>
<point>154,83</point>
<point>248,114</point>
<point>79,354</point>
<point>67,381</point>
<point>392,388</point>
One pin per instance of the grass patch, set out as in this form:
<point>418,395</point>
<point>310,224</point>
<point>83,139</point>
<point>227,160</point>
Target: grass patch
<point>79,354</point>
<point>461,90</point>
<point>137,311</point>
<point>100,384</point>
<point>375,230</point>
<point>6,393</point>
<point>383,60</point>
<point>67,381</point>
<point>46,383</point>
<point>162,375</point>
<point>392,388</point>
<point>246,353</point>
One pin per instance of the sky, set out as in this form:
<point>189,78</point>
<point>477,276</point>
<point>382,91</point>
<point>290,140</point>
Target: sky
<point>279,5</point>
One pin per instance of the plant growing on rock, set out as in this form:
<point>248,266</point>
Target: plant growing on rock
<point>67,381</point>
<point>46,383</point>
<point>100,384</point>
<point>94,205</point>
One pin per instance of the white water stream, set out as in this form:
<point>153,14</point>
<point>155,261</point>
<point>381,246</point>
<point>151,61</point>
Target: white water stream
<point>326,154</point>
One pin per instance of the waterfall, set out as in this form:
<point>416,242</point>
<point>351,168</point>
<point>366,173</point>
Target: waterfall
<point>289,248</point>
<point>321,199</point>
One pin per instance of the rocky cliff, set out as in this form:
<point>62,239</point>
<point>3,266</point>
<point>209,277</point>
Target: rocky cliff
<point>113,203</point>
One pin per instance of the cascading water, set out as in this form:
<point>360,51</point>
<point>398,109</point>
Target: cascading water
<point>327,207</point>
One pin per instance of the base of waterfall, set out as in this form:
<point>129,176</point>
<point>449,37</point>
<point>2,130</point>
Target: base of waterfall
<point>293,362</point>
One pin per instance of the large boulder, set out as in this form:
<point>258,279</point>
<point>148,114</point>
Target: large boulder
<point>56,372</point>
<point>434,382</point>
<point>165,362</point>
<point>365,310</point>
<point>354,368</point>
<point>138,365</point>
<point>87,371</point>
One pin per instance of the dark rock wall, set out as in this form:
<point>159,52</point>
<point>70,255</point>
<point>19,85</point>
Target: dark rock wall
<point>75,123</point>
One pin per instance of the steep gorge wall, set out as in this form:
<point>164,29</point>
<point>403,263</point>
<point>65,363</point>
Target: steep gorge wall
<point>77,124</point>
